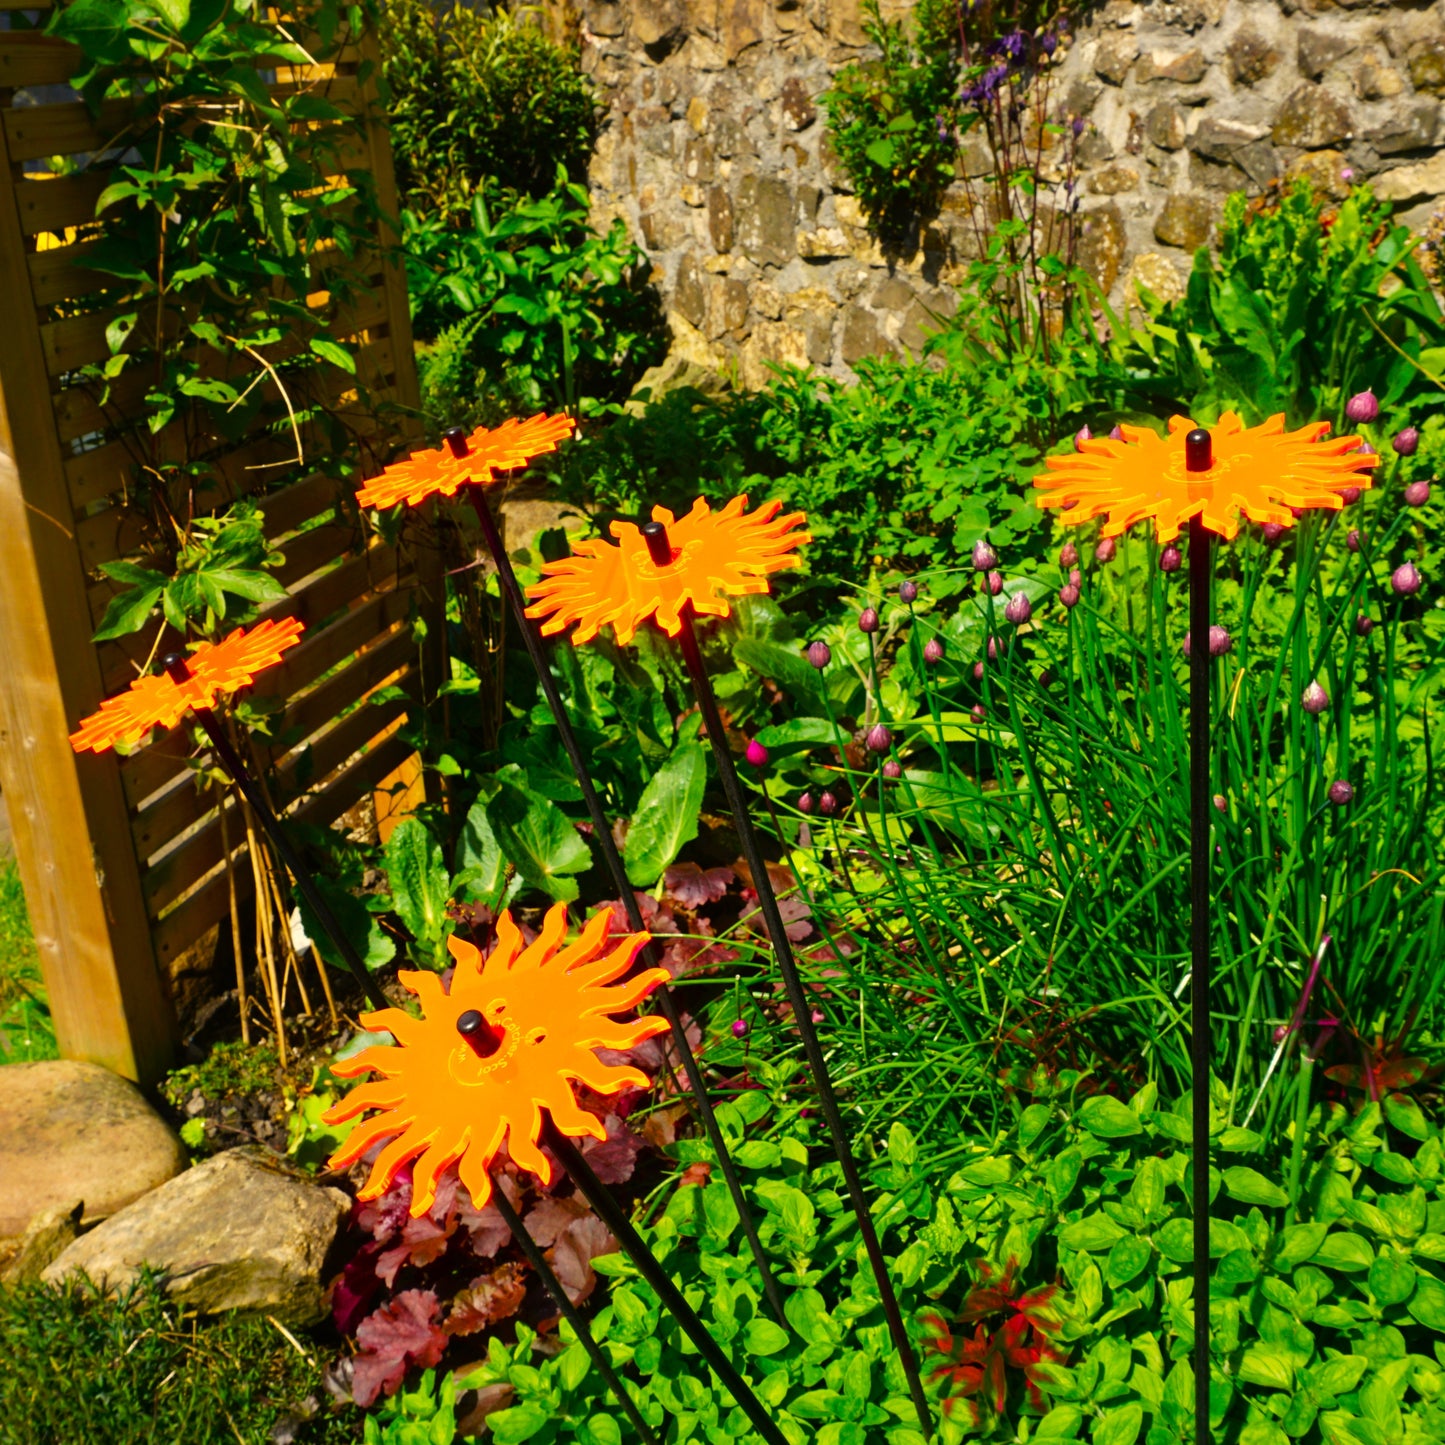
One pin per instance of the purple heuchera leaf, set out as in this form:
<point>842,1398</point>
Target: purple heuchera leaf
<point>613,1159</point>
<point>571,1257</point>
<point>401,1334</point>
<point>695,887</point>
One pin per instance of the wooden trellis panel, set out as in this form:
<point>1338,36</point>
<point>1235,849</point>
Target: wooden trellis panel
<point>122,857</point>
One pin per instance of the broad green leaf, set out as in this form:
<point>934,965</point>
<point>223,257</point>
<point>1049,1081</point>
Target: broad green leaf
<point>521,1422</point>
<point>176,13</point>
<point>1095,1233</point>
<point>1342,1250</point>
<point>1106,1118</point>
<point>539,840</point>
<point>1126,1259</point>
<point>1249,1186</point>
<point>420,885</point>
<point>667,815</point>
<point>1427,1304</point>
<point>1299,1242</point>
<point>1392,1279</point>
<point>480,863</point>
<point>600,1430</point>
<point>762,1337</point>
<point>902,1149</point>
<point>801,732</point>
<point>1119,1426</point>
<point>334,352</point>
<point>1061,1423</point>
<point>127,613</point>
<point>358,925</point>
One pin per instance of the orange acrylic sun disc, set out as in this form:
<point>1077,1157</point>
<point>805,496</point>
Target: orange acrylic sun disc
<point>157,701</point>
<point>541,1011</point>
<point>1258,472</point>
<point>714,556</point>
<point>440,473</point>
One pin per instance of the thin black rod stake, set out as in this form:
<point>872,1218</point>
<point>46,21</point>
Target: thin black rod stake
<point>614,1217</point>
<point>602,833</point>
<point>570,1313</point>
<point>802,1008</point>
<point>175,664</point>
<point>1197,454</point>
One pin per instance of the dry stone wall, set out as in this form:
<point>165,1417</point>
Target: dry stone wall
<point>716,153</point>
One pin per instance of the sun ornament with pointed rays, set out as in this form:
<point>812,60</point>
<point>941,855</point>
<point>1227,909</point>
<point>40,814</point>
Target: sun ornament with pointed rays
<point>485,1059</point>
<point>1260,472</point>
<point>157,700</point>
<point>440,472</point>
<point>715,555</point>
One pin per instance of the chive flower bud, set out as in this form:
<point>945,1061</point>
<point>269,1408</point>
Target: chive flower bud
<point>1406,579</point>
<point>1081,436</point>
<point>1364,625</point>
<point>984,557</point>
<point>1406,441</point>
<point>1417,494</point>
<point>995,583</point>
<point>805,803</point>
<point>757,754</point>
<point>879,739</point>
<point>907,591</point>
<point>1219,642</point>
<point>1362,406</point>
<point>1019,609</point>
<point>1076,577</point>
<point>1170,558</point>
<point>868,620</point>
<point>1272,532</point>
<point>1221,803</point>
<point>827,805</point>
<point>1350,495</point>
<point>1069,594</point>
<point>933,650</point>
<point>819,654</point>
<point>1352,539</point>
<point>978,672</point>
<point>893,769</point>
<point>1116,433</point>
<point>1314,699</point>
<point>1068,555</point>
<point>1341,793</point>
<point>741,1028</point>
<point>1365,449</point>
<point>979,712</point>
<point>1104,552</point>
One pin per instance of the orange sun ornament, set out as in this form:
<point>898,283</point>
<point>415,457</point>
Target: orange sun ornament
<point>156,700</point>
<point>715,556</point>
<point>1260,472</point>
<point>441,473</point>
<point>484,1060</point>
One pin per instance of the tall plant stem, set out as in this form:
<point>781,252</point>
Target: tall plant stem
<point>175,665</point>
<point>602,834</point>
<point>570,1313</point>
<point>802,1008</point>
<point>615,1218</point>
<point>1201,564</point>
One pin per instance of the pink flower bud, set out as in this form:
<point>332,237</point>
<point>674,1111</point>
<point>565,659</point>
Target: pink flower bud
<point>995,583</point>
<point>1364,626</point>
<point>1081,436</point>
<point>978,672</point>
<point>741,1028</point>
<point>1341,793</point>
<point>1076,578</point>
<point>1104,552</point>
<point>1219,642</point>
<point>1221,803</point>
<point>868,620</point>
<point>819,654</point>
<point>1116,433</point>
<point>827,805</point>
<point>1406,579</point>
<point>1068,555</point>
<point>805,803</point>
<point>1272,532</point>
<point>1314,699</point>
<point>933,650</point>
<point>1352,539</point>
<point>757,754</point>
<point>1170,558</point>
<point>893,769</point>
<point>1019,609</point>
<point>1362,406</point>
<point>879,739</point>
<point>1417,494</point>
<point>907,591</point>
<point>1406,441</point>
<point>984,557</point>
<point>979,712</point>
<point>1069,594</point>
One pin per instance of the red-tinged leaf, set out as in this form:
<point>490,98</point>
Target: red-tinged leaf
<point>422,1241</point>
<point>613,1159</point>
<point>486,1227</point>
<point>489,1298</point>
<point>353,1290</point>
<point>571,1257</point>
<point>551,1217</point>
<point>384,1218</point>
<point>698,1173</point>
<point>695,887</point>
<point>399,1335</point>
<point>659,1128</point>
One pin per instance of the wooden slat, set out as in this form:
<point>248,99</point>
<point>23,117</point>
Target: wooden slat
<point>61,274</point>
<point>56,203</point>
<point>36,131</point>
<point>286,510</point>
<point>29,58</point>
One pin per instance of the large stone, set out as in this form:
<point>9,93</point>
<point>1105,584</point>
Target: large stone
<point>1318,50</point>
<point>48,1235</point>
<point>1375,81</point>
<point>1325,172</point>
<point>765,220</point>
<point>1250,58</point>
<point>1312,118</point>
<point>1185,221</point>
<point>1113,181</point>
<point>658,25</point>
<point>773,341</point>
<point>76,1131</point>
<point>1187,67</point>
<point>1164,125</point>
<point>238,1232</point>
<point>1421,182</point>
<point>727,306</point>
<point>799,112</point>
<point>1426,60</point>
<point>1102,242</point>
<point>1230,144</point>
<point>861,335</point>
<point>1157,275</point>
<point>689,292</point>
<point>1412,128</point>
<point>720,220</point>
<point>1116,53</point>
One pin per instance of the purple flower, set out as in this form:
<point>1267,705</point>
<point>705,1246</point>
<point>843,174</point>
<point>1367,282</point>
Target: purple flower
<point>984,557</point>
<point>1049,43</point>
<point>1406,441</point>
<point>1417,494</point>
<point>757,754</point>
<point>1076,578</point>
<point>1068,555</point>
<point>995,583</point>
<point>1019,609</point>
<point>741,1028</point>
<point>1314,699</point>
<point>827,805</point>
<point>933,650</point>
<point>1116,433</point>
<point>907,591</point>
<point>868,620</point>
<point>1366,450</point>
<point>1364,625</point>
<point>1077,126</point>
<point>1069,594</point>
<point>1272,532</point>
<point>1352,539</point>
<point>879,739</point>
<point>1081,436</point>
<point>1170,558</point>
<point>1341,793</point>
<point>805,803</point>
<point>819,654</point>
<point>1362,406</point>
<point>1350,495</point>
<point>893,769</point>
<point>1219,642</point>
<point>1406,579</point>
<point>1104,552</point>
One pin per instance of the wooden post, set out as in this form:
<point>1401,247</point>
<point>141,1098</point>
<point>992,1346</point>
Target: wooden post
<point>72,833</point>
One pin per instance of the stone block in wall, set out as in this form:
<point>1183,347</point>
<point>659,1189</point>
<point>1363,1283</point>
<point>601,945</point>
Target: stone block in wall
<point>1156,274</point>
<point>1112,181</point>
<point>689,290</point>
<point>1185,221</point>
<point>1186,66</point>
<point>799,112</point>
<point>1242,148</point>
<point>662,230</point>
<point>1312,118</point>
<point>720,219</point>
<point>1423,181</point>
<point>1102,241</point>
<point>773,341</point>
<point>824,244</point>
<point>1409,128</point>
<point>727,306</point>
<point>1325,172</point>
<point>1117,52</point>
<point>1374,80</point>
<point>603,19</point>
<point>1250,58</point>
<point>658,25</point>
<point>845,22</point>
<point>1164,125</point>
<point>741,23</point>
<point>698,161</point>
<point>764,220</point>
<point>862,336</point>
<point>1317,50</point>
<point>1426,62</point>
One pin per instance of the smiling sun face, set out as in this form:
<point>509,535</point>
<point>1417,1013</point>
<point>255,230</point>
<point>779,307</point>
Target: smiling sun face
<point>484,1060</point>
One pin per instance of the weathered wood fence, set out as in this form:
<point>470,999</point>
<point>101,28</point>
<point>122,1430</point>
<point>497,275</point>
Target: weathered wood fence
<point>121,858</point>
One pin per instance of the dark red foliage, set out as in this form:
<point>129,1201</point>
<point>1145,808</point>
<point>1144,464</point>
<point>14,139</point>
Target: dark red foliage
<point>400,1334</point>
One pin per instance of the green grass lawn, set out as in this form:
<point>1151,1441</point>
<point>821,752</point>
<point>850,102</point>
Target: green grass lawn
<point>25,1030</point>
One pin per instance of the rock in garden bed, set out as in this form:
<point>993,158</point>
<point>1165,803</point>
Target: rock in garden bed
<point>240,1231</point>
